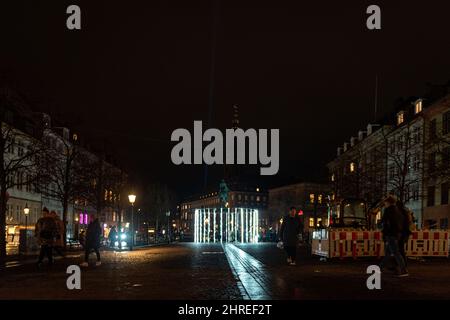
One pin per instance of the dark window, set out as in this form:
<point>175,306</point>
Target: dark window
<point>444,223</point>
<point>446,157</point>
<point>430,196</point>
<point>446,123</point>
<point>432,162</point>
<point>433,129</point>
<point>444,193</point>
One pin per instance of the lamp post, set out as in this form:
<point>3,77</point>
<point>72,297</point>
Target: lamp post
<point>139,221</point>
<point>168,226</point>
<point>132,199</point>
<point>26,211</point>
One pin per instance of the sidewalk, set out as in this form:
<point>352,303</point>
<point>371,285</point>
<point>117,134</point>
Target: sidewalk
<point>31,257</point>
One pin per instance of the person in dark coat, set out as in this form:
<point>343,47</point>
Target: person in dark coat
<point>406,229</point>
<point>45,231</point>
<point>289,231</point>
<point>112,236</point>
<point>93,235</point>
<point>393,224</point>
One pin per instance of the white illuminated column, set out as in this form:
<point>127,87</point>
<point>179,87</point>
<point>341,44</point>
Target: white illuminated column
<point>227,218</point>
<point>257,225</point>
<point>214,225</point>
<point>195,226</point>
<point>242,225</point>
<point>203,224</point>
<point>221,234</point>
<point>199,237</point>
<point>209,225</point>
<point>236,225</point>
<point>251,225</point>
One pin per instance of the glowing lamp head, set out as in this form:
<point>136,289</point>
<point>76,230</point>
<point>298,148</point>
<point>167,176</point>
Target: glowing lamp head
<point>26,210</point>
<point>132,198</point>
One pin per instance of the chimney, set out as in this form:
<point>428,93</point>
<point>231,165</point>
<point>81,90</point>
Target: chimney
<point>339,151</point>
<point>361,135</point>
<point>345,146</point>
<point>65,134</point>
<point>352,141</point>
<point>371,128</point>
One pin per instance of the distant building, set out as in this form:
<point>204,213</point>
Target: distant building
<point>310,199</point>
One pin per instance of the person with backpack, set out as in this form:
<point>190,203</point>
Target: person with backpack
<point>45,232</point>
<point>93,235</point>
<point>406,229</point>
<point>59,241</point>
<point>289,231</point>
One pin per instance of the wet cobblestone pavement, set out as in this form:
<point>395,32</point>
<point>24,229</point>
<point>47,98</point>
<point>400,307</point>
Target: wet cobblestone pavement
<point>210,271</point>
<point>168,272</point>
<point>346,279</point>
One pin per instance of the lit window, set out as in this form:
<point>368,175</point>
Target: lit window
<point>352,167</point>
<point>319,198</point>
<point>311,197</point>
<point>319,220</point>
<point>258,198</point>
<point>400,117</point>
<point>332,177</point>
<point>418,106</point>
<point>311,222</point>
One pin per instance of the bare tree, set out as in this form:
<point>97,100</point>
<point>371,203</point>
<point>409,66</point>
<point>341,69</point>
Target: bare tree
<point>97,173</point>
<point>60,168</point>
<point>18,154</point>
<point>158,199</point>
<point>404,153</point>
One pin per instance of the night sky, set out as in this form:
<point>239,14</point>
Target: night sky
<point>137,70</point>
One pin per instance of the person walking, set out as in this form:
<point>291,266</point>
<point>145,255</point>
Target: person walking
<point>290,228</point>
<point>406,229</point>
<point>59,241</point>
<point>45,232</point>
<point>393,223</point>
<point>93,235</point>
<point>82,239</point>
<point>112,236</point>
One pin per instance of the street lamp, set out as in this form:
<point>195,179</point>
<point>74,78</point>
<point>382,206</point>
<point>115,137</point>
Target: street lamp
<point>26,211</point>
<point>132,199</point>
<point>168,227</point>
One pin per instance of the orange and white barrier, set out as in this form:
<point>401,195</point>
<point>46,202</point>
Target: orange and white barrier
<point>350,243</point>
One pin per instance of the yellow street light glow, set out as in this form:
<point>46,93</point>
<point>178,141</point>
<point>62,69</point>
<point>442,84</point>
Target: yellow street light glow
<point>132,198</point>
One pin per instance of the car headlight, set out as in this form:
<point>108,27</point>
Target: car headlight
<point>123,236</point>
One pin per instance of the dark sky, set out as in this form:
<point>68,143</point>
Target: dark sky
<point>140,69</point>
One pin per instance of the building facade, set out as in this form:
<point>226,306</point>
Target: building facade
<point>406,155</point>
<point>310,199</point>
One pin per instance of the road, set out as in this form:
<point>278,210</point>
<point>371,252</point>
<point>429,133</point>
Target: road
<point>211,271</point>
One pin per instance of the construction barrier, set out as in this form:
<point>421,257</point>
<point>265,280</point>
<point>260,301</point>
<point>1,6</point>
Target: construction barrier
<point>350,243</point>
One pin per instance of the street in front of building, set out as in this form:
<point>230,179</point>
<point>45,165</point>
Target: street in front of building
<point>191,271</point>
